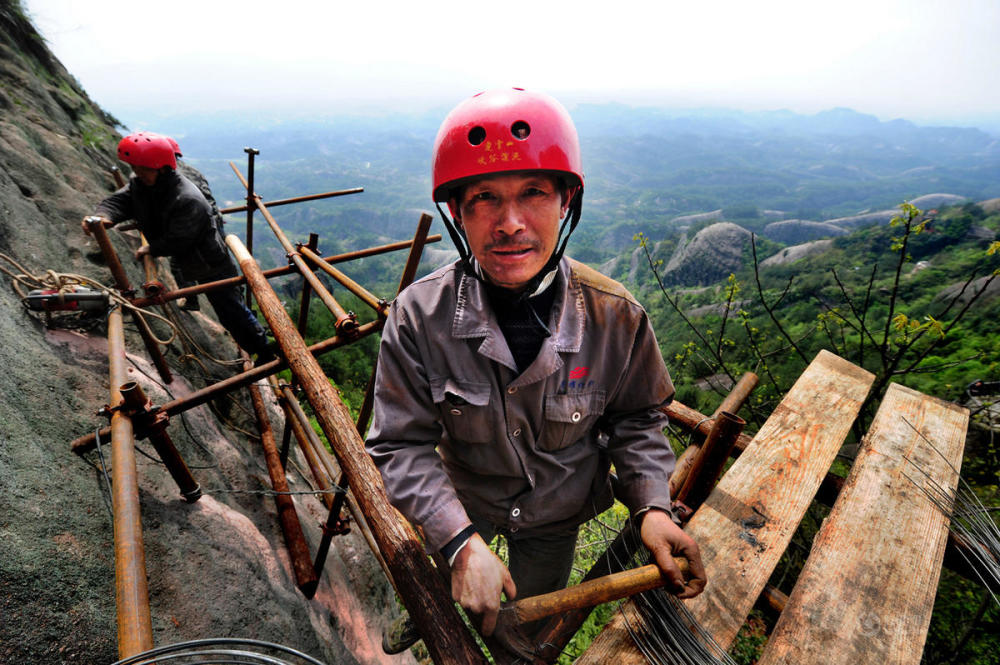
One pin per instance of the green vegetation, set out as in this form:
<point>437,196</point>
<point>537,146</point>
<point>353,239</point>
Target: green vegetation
<point>901,300</point>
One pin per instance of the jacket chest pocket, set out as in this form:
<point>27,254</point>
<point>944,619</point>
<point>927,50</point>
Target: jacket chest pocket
<point>568,418</point>
<point>465,409</point>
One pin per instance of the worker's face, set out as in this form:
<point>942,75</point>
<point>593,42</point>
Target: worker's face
<point>146,175</point>
<point>512,224</point>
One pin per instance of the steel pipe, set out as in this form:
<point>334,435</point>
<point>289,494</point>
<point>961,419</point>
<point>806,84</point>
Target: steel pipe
<point>85,443</point>
<point>424,594</point>
<point>155,424</point>
<point>297,199</point>
<point>366,296</point>
<point>288,517</point>
<point>100,234</point>
<point>135,628</point>
<point>707,467</point>
<point>277,272</point>
<point>345,322</point>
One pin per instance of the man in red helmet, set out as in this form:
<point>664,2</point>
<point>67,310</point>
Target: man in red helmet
<point>511,380</point>
<point>177,221</point>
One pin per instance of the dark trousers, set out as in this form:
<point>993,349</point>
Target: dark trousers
<point>228,304</point>
<point>538,563</point>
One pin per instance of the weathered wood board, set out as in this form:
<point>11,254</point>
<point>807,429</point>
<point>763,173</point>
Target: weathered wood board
<point>867,590</point>
<point>746,523</point>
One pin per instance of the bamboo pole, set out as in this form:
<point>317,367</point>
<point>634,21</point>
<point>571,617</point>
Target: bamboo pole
<point>423,592</point>
<point>135,628</point>
<point>288,517</point>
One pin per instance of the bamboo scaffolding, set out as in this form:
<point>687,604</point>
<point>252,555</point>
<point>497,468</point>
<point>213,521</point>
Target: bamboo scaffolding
<point>424,594</point>
<point>135,629</point>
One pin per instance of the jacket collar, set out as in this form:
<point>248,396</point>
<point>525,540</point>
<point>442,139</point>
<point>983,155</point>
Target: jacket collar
<point>474,318</point>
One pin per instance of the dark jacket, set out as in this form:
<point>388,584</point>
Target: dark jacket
<point>174,216</point>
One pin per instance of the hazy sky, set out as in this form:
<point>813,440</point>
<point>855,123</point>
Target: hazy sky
<point>924,60</point>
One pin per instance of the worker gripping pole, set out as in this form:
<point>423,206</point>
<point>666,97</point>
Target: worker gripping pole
<point>99,234</point>
<point>135,628</point>
<point>423,592</point>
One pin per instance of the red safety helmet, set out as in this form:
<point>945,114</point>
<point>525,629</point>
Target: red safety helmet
<point>147,149</point>
<point>508,129</point>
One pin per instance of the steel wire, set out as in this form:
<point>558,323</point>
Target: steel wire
<point>222,651</point>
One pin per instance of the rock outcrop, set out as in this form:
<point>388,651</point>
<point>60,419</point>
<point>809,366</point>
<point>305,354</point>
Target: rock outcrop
<point>712,254</point>
<point>216,568</point>
<point>796,231</point>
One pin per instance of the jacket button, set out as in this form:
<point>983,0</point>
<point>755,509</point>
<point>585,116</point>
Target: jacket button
<point>511,390</point>
<point>456,412</point>
<point>515,513</point>
<point>516,432</point>
<point>576,417</point>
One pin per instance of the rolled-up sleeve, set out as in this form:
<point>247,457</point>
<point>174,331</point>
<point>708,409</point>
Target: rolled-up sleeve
<point>405,433</point>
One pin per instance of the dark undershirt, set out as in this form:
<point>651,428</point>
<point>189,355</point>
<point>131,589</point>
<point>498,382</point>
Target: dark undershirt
<point>523,328</point>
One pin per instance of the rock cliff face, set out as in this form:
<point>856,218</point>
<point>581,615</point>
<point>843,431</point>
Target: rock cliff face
<point>216,568</point>
<point>711,255</point>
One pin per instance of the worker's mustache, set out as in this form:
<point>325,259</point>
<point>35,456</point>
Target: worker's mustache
<point>514,244</point>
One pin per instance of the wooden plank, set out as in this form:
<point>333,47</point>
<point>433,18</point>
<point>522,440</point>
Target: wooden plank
<point>867,590</point>
<point>746,523</point>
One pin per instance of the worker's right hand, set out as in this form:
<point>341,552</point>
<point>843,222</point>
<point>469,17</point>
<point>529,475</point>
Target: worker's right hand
<point>477,578</point>
<point>85,223</point>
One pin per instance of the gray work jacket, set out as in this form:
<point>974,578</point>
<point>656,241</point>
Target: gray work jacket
<point>457,430</point>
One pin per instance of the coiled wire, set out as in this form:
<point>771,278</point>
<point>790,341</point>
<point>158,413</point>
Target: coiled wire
<point>222,651</point>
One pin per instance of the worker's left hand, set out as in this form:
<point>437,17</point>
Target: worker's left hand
<point>141,252</point>
<point>665,540</point>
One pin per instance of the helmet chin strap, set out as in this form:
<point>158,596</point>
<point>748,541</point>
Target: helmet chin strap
<point>545,276</point>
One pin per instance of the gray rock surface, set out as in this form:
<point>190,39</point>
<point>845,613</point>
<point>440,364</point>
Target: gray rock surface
<point>216,568</point>
<point>711,254</point>
<point>796,231</point>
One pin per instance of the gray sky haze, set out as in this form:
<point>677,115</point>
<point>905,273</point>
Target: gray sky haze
<point>929,61</point>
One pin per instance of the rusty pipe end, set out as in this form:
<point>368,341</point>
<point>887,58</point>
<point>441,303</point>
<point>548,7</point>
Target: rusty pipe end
<point>133,396</point>
<point>731,418</point>
<point>153,289</point>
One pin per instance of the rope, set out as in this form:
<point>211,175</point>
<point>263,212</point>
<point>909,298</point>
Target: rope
<point>66,282</point>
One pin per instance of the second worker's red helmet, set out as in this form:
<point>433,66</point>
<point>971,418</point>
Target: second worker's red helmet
<point>147,149</point>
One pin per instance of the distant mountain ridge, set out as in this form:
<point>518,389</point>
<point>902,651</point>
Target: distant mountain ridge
<point>644,167</point>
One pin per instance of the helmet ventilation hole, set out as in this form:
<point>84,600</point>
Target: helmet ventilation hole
<point>520,130</point>
<point>477,135</point>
